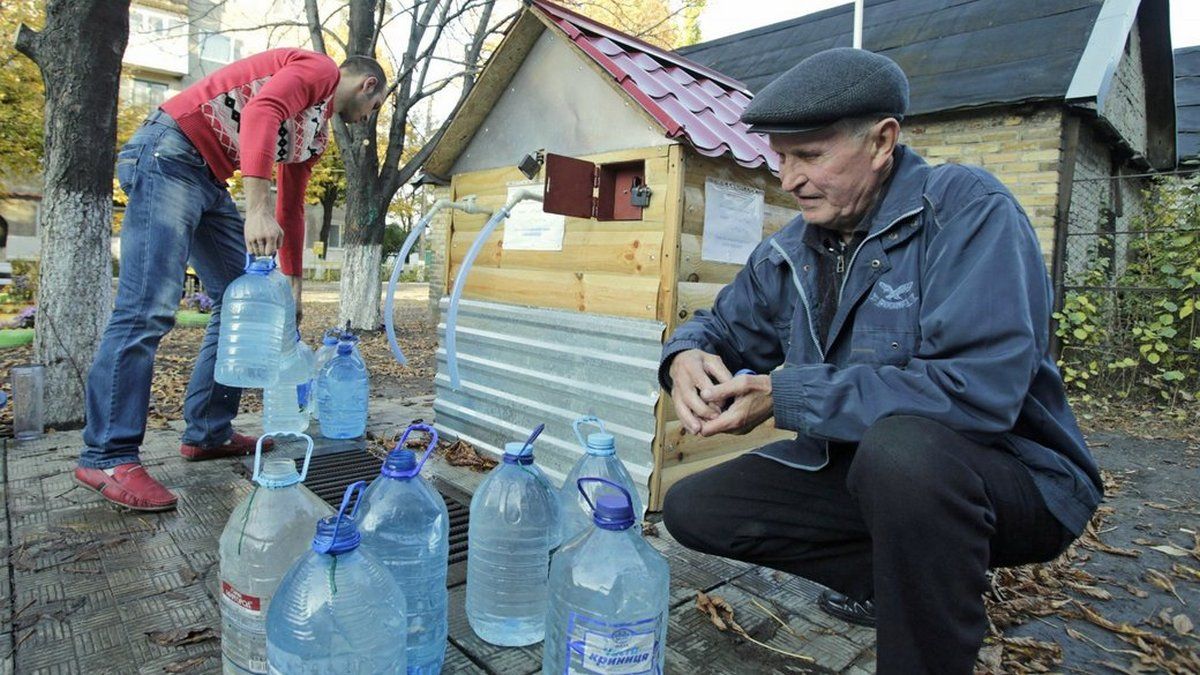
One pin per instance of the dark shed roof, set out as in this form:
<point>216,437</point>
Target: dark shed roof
<point>957,53</point>
<point>1187,104</point>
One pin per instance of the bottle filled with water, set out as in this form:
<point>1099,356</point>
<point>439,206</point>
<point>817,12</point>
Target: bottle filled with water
<point>287,404</point>
<point>264,536</point>
<point>405,524</point>
<point>342,390</point>
<point>283,287</point>
<point>609,593</point>
<point>253,315</point>
<point>338,609</point>
<point>326,351</point>
<point>600,460</point>
<point>513,527</point>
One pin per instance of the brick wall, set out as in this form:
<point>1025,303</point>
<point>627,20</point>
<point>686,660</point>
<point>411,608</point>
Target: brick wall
<point>1125,106</point>
<point>1019,146</point>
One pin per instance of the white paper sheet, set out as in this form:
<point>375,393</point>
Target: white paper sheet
<point>528,228</point>
<point>733,221</point>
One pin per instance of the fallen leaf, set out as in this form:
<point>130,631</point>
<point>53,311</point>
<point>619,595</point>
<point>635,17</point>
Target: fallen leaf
<point>719,611</point>
<point>1161,507</point>
<point>1144,542</point>
<point>185,665</point>
<point>462,453</point>
<point>1091,591</point>
<point>649,529</point>
<point>1164,582</point>
<point>1171,550</point>
<point>181,636</point>
<point>1185,572</point>
<point>1183,625</point>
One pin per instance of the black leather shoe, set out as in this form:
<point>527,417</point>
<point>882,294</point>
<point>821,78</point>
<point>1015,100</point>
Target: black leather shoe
<point>847,609</point>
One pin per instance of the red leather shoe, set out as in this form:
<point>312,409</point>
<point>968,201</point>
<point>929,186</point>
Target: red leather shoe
<point>238,445</point>
<point>128,485</point>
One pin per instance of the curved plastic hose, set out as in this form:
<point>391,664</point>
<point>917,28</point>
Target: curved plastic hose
<point>467,205</point>
<point>460,282</point>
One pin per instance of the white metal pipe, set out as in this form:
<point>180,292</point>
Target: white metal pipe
<point>858,23</point>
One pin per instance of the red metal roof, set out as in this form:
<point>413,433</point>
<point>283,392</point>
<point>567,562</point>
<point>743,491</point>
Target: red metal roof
<point>690,101</point>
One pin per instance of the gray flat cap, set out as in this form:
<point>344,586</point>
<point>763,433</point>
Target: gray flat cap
<point>826,87</point>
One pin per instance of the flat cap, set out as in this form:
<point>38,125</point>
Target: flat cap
<point>826,87</point>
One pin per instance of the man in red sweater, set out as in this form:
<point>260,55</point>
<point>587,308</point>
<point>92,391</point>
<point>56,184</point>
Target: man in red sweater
<point>266,110</point>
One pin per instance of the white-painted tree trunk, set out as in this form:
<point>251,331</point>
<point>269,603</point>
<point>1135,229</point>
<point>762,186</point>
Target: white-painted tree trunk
<point>361,287</point>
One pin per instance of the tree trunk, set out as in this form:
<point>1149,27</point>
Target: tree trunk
<point>362,243</point>
<point>328,202</point>
<point>79,54</point>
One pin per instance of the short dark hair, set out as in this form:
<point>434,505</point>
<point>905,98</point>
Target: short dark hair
<point>367,67</point>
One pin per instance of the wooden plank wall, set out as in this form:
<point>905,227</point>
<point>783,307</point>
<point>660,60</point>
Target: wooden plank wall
<point>699,281</point>
<point>613,268</point>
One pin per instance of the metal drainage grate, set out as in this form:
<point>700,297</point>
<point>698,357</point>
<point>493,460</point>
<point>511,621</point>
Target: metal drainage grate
<point>330,473</point>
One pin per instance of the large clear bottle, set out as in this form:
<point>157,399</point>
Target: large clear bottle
<point>264,536</point>
<point>253,317</point>
<point>600,460</point>
<point>342,392</point>
<point>405,524</point>
<point>287,405</point>
<point>283,287</point>
<point>338,610</point>
<point>609,594</point>
<point>514,525</point>
<point>326,351</point>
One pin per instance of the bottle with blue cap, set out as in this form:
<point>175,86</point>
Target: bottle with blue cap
<point>600,460</point>
<point>342,391</point>
<point>265,534</point>
<point>338,610</point>
<point>405,524</point>
<point>253,315</point>
<point>514,525</point>
<point>325,352</point>
<point>284,288</point>
<point>287,405</point>
<point>609,593</point>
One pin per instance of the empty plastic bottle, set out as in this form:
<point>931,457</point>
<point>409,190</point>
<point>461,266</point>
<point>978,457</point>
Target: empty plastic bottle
<point>609,594</point>
<point>287,404</point>
<point>342,390</point>
<point>599,461</point>
<point>338,610</point>
<point>513,527</point>
<point>265,535</point>
<point>405,524</point>
<point>252,324</point>
<point>326,351</point>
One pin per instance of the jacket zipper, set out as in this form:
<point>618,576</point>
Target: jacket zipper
<point>863,242</point>
<point>812,331</point>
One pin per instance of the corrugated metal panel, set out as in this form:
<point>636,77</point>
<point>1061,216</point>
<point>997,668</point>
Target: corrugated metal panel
<point>524,366</point>
<point>689,100</point>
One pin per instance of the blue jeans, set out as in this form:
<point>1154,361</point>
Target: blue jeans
<point>177,212</point>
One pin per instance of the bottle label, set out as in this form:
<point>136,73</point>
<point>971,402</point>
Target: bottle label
<point>246,602</point>
<point>627,648</point>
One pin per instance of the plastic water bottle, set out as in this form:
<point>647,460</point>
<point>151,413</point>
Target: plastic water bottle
<point>405,524</point>
<point>513,527</point>
<point>287,404</point>
<point>342,390</point>
<point>326,351</point>
<point>338,610</point>
<point>284,288</point>
<point>252,323</point>
<point>265,535</point>
<point>609,594</point>
<point>599,461</point>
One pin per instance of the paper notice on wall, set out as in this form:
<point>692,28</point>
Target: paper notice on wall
<point>529,228</point>
<point>733,221</point>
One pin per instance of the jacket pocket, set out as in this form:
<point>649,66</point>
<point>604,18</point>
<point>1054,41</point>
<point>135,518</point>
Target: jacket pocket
<point>885,348</point>
<point>127,161</point>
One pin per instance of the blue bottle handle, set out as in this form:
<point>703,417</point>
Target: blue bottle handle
<point>744,371</point>
<point>250,258</point>
<point>537,431</point>
<point>589,419</point>
<point>433,441</point>
<point>579,484</point>
<point>258,455</point>
<point>360,486</point>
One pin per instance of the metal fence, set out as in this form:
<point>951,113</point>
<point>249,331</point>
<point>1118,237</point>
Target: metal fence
<point>1126,288</point>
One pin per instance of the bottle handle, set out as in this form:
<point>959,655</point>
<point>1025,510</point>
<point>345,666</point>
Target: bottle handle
<point>257,473</point>
<point>579,484</point>
<point>537,431</point>
<point>360,486</point>
<point>589,419</point>
<point>433,441</point>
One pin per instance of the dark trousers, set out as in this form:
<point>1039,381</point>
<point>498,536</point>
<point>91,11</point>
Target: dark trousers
<point>912,517</point>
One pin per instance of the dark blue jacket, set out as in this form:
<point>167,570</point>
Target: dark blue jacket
<point>944,314</point>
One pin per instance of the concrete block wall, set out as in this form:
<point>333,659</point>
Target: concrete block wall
<point>439,229</point>
<point>1021,147</point>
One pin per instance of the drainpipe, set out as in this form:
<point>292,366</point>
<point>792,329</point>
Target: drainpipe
<point>1062,220</point>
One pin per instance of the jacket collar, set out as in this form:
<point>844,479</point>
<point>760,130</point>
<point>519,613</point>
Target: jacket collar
<point>903,193</point>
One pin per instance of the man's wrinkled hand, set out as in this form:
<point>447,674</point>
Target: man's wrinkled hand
<point>752,405</point>
<point>692,371</point>
<point>263,235</point>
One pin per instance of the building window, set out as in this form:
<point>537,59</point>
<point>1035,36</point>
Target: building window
<point>147,93</point>
<point>219,50</point>
<point>335,236</point>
